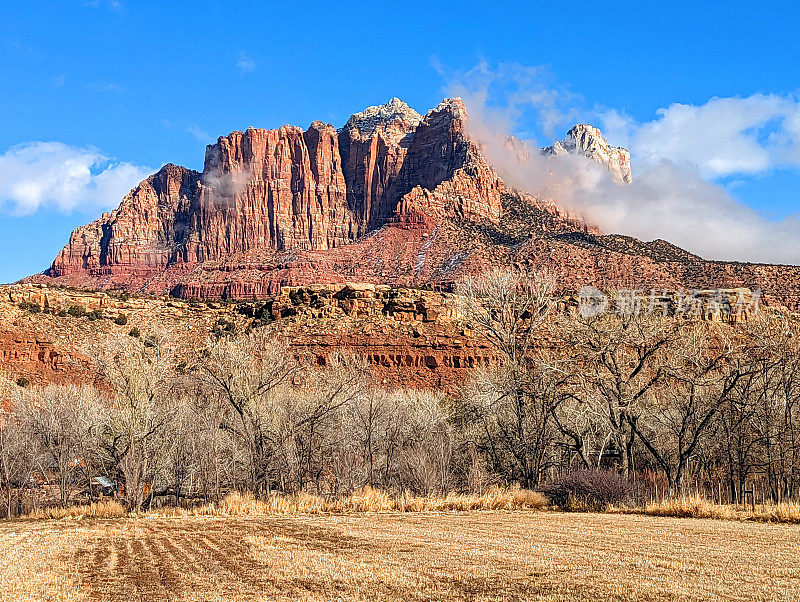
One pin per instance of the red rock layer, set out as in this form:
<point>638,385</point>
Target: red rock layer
<point>408,338</point>
<point>141,237</point>
<point>391,198</point>
<point>29,356</point>
<point>285,190</point>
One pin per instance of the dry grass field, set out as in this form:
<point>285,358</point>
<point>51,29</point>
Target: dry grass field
<point>460,556</point>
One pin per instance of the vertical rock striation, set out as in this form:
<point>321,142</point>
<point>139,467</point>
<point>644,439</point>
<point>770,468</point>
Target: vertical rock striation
<point>143,236</point>
<point>391,198</point>
<point>288,190</point>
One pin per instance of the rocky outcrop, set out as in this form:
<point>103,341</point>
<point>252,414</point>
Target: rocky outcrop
<point>37,360</point>
<point>445,174</point>
<point>272,189</point>
<point>408,337</point>
<point>587,140</point>
<point>287,190</point>
<point>56,300</point>
<point>391,198</point>
<point>143,236</point>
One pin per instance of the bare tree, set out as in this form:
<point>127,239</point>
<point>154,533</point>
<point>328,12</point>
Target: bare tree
<point>507,308</point>
<point>141,377</point>
<point>507,411</point>
<point>367,426</point>
<point>507,417</point>
<point>247,372</point>
<point>17,460</point>
<point>770,401</point>
<point>313,411</point>
<point>619,358</point>
<point>425,444</point>
<point>680,411</point>
<point>63,422</point>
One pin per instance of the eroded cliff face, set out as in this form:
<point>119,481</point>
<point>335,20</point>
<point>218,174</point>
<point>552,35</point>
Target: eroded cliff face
<point>391,198</point>
<point>272,189</point>
<point>142,236</point>
<point>288,190</point>
<point>36,359</point>
<point>374,144</point>
<point>408,337</point>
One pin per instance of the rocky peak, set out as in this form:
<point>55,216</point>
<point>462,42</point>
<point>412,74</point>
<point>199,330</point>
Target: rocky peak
<point>587,140</point>
<point>394,120</point>
<point>285,190</point>
<point>454,106</point>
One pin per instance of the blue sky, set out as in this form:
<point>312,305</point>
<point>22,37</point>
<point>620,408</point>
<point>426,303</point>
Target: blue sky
<point>133,85</point>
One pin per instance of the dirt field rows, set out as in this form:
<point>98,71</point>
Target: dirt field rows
<point>539,556</point>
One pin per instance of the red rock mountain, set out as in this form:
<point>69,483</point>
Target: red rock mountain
<point>391,198</point>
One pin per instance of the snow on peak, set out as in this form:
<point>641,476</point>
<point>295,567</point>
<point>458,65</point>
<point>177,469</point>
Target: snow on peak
<point>587,140</point>
<point>394,120</point>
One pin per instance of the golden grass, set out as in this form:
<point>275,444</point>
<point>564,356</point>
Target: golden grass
<point>689,507</point>
<point>699,507</point>
<point>104,509</point>
<point>369,500</point>
<point>786,512</point>
<point>500,555</point>
<point>366,499</point>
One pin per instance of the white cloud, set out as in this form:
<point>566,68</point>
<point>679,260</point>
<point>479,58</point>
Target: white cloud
<point>505,93</point>
<point>675,159</point>
<point>53,175</point>
<point>200,134</point>
<point>107,87</point>
<point>245,64</point>
<point>675,203</point>
<point>722,137</point>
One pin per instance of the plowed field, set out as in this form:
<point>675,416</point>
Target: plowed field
<point>488,556</point>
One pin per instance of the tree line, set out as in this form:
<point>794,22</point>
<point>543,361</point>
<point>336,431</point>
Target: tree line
<point>659,399</point>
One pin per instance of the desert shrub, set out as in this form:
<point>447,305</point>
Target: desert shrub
<point>135,332</point>
<point>76,311</point>
<point>23,382</point>
<point>588,490</point>
<point>31,307</point>
<point>150,341</point>
<point>223,327</point>
<point>121,320</point>
<point>62,313</point>
<point>94,315</point>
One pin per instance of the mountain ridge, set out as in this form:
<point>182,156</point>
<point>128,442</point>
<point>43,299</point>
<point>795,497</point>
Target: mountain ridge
<point>392,196</point>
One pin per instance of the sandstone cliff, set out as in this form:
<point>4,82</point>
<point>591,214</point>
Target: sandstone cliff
<point>288,190</point>
<point>391,198</point>
<point>142,236</point>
